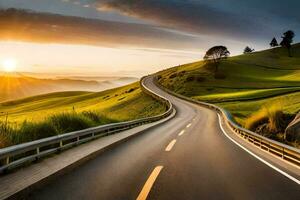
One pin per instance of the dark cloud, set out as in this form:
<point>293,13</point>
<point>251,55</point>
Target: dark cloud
<point>178,24</point>
<point>274,9</point>
<point>51,28</point>
<point>222,18</point>
<point>190,16</point>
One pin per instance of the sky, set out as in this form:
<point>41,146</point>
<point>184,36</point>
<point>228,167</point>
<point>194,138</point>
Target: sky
<point>143,36</point>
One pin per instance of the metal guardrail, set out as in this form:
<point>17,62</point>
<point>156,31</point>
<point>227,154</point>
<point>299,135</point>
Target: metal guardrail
<point>22,154</point>
<point>278,149</point>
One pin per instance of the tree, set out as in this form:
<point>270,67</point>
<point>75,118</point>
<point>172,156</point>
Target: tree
<point>215,55</point>
<point>287,40</point>
<point>274,42</point>
<point>248,50</point>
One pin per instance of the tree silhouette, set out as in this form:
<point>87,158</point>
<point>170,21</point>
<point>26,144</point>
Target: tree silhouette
<point>274,42</point>
<point>215,55</point>
<point>248,50</point>
<point>287,40</point>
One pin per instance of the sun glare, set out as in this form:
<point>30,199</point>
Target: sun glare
<point>9,65</point>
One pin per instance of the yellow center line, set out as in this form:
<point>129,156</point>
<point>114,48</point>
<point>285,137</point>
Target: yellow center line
<point>149,183</point>
<point>181,133</point>
<point>190,124</point>
<point>170,146</point>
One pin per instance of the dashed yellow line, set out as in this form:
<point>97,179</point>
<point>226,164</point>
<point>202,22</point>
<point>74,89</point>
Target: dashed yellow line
<point>149,183</point>
<point>181,133</point>
<point>170,145</point>
<point>190,124</point>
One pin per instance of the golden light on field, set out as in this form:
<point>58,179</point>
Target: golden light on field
<point>9,65</point>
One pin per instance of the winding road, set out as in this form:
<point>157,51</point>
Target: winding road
<point>187,157</point>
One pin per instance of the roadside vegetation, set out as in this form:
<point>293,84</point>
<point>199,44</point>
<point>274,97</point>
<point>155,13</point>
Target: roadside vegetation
<point>260,89</point>
<point>51,114</point>
<point>270,121</point>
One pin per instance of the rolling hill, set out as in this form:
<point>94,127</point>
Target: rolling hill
<point>248,82</point>
<point>37,116</point>
<point>123,103</point>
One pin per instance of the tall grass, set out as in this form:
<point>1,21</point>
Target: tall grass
<point>272,115</point>
<point>52,125</point>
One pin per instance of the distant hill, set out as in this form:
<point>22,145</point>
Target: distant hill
<point>104,79</point>
<point>14,87</point>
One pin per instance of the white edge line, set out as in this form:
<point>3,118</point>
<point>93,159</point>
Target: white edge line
<point>257,157</point>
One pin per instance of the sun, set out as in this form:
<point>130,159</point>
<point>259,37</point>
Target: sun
<point>9,65</point>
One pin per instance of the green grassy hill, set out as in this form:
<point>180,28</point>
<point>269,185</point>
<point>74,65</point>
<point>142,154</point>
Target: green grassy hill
<point>115,103</point>
<point>247,82</point>
<point>76,110</point>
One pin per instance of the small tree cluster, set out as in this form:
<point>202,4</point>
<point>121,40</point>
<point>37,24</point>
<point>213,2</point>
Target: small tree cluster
<point>287,40</point>
<point>215,54</point>
<point>248,50</point>
<point>274,42</point>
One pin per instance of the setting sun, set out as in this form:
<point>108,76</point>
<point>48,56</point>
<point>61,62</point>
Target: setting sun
<point>9,65</point>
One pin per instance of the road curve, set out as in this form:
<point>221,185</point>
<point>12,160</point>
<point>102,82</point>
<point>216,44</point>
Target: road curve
<point>187,157</point>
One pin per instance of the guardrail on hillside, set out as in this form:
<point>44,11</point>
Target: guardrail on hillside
<point>19,155</point>
<point>278,149</point>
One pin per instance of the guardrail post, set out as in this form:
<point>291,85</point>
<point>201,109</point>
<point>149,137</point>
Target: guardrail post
<point>7,160</point>
<point>260,142</point>
<point>61,144</point>
<point>282,155</point>
<point>37,153</point>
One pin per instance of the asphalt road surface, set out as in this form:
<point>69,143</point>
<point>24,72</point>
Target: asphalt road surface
<point>187,157</point>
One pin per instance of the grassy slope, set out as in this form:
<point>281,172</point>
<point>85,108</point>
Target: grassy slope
<point>251,81</point>
<point>117,104</point>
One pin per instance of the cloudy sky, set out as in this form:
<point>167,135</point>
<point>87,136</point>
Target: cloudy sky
<point>162,33</point>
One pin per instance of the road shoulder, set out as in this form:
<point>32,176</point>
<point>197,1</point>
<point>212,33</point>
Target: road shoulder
<point>281,164</point>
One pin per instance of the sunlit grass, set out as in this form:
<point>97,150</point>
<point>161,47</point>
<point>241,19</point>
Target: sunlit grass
<point>53,125</point>
<point>234,95</point>
<point>122,103</point>
<point>62,112</point>
<point>270,114</point>
<point>290,104</point>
